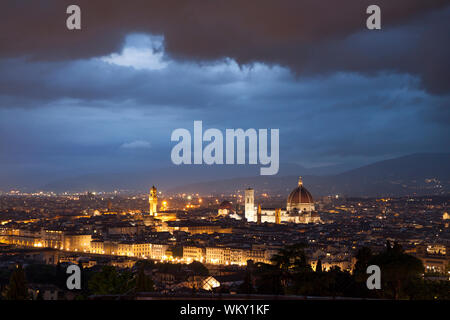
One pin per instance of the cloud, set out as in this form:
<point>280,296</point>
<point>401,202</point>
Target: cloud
<point>307,36</point>
<point>74,102</point>
<point>137,58</point>
<point>148,55</point>
<point>138,144</point>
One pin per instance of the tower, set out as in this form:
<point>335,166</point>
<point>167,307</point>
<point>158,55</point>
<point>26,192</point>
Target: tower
<point>153,201</point>
<point>250,205</point>
<point>258,215</point>
<point>277,216</point>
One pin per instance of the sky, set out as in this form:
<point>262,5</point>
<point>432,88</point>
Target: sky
<point>106,98</point>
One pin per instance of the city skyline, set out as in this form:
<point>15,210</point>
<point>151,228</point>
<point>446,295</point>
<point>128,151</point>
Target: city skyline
<point>189,245</point>
<point>262,153</point>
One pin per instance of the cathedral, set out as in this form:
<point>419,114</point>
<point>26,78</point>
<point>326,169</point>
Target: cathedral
<point>299,208</point>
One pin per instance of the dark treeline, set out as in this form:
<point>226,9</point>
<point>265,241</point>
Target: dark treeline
<point>402,276</point>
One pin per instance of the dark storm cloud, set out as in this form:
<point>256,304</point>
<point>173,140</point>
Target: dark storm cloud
<point>33,84</point>
<point>81,122</point>
<point>93,109</point>
<point>308,36</point>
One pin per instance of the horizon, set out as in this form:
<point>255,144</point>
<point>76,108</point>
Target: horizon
<point>243,177</point>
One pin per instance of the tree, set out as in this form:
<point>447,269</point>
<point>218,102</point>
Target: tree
<point>17,288</point>
<point>398,270</point>
<point>363,257</point>
<point>429,290</point>
<point>397,248</point>
<point>247,286</point>
<point>177,251</point>
<point>144,283</point>
<point>289,261</point>
<point>269,280</point>
<point>198,268</point>
<point>41,273</point>
<point>291,258</point>
<point>109,281</point>
<point>319,266</point>
<point>40,296</point>
<point>60,276</point>
<point>388,245</point>
<point>146,264</point>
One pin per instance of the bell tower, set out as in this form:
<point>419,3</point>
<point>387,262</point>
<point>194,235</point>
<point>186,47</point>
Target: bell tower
<point>250,213</point>
<point>153,201</point>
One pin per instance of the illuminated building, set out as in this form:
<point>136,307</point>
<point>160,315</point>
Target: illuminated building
<point>44,238</point>
<point>237,256</point>
<point>202,229</point>
<point>125,249</point>
<point>277,216</point>
<point>97,247</point>
<point>435,258</point>
<point>201,282</point>
<point>132,249</point>
<point>142,249</point>
<point>328,264</point>
<point>225,208</point>
<point>153,202</point>
<point>77,242</point>
<point>158,251</point>
<point>163,214</point>
<point>164,205</point>
<point>167,216</point>
<point>193,253</point>
<point>299,208</point>
<point>436,249</point>
<point>217,255</point>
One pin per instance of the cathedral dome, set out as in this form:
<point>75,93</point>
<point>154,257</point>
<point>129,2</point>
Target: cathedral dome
<point>300,200</point>
<point>300,195</point>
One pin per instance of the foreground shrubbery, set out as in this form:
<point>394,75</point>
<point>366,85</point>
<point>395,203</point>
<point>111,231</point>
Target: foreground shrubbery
<point>401,277</point>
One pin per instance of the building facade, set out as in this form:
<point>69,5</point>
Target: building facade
<point>299,208</point>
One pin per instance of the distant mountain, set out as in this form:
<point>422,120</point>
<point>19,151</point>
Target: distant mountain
<point>421,174</point>
<point>170,177</point>
<point>417,173</point>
